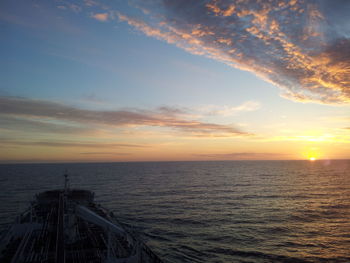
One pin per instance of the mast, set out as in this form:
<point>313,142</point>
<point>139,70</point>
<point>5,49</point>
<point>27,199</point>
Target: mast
<point>66,182</point>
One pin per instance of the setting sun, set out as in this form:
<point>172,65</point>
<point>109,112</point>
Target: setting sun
<point>312,159</point>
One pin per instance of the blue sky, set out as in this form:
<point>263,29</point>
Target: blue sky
<point>115,61</point>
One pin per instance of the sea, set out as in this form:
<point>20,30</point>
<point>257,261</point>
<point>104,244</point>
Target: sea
<point>215,211</point>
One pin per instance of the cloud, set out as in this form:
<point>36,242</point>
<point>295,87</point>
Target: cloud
<point>104,153</point>
<point>245,156</point>
<point>231,110</point>
<point>90,3</point>
<point>15,109</point>
<point>171,111</point>
<point>75,8</point>
<point>301,46</point>
<point>323,137</point>
<point>34,125</point>
<point>103,17</point>
<point>67,5</point>
<point>9,142</point>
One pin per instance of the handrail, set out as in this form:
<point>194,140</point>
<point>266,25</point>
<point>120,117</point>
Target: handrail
<point>22,245</point>
<point>60,253</point>
<point>88,215</point>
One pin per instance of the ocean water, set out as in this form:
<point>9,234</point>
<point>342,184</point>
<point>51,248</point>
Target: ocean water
<point>229,211</point>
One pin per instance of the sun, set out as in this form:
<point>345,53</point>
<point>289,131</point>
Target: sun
<point>312,154</point>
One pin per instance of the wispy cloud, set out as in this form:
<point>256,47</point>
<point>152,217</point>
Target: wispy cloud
<point>74,144</point>
<point>90,3</point>
<point>104,153</point>
<point>244,156</point>
<point>336,137</point>
<point>14,109</point>
<point>301,46</point>
<point>75,8</point>
<point>35,125</point>
<point>103,17</point>
<point>230,110</point>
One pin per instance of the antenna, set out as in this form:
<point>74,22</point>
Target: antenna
<point>66,181</point>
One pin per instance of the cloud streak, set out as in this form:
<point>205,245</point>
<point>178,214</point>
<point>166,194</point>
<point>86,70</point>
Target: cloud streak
<point>301,46</point>
<point>245,156</point>
<point>34,125</point>
<point>65,144</point>
<point>231,110</point>
<point>103,17</point>
<point>14,109</point>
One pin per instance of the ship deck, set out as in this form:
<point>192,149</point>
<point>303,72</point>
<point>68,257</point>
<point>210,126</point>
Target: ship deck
<point>51,231</point>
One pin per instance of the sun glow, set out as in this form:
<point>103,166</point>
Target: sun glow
<point>312,158</point>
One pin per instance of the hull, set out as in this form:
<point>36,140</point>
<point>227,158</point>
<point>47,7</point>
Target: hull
<point>66,226</point>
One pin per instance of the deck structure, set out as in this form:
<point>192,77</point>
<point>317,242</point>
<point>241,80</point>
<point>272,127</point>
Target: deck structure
<point>67,226</point>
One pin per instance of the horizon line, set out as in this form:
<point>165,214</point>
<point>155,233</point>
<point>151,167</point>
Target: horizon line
<point>164,161</point>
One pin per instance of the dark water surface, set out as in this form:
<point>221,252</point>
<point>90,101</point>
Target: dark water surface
<point>240,211</point>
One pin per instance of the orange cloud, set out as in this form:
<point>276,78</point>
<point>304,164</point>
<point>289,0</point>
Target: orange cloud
<point>49,116</point>
<point>103,17</point>
<point>288,44</point>
<point>75,144</point>
<point>245,156</point>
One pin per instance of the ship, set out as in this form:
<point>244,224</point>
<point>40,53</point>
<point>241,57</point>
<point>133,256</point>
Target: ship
<point>67,226</point>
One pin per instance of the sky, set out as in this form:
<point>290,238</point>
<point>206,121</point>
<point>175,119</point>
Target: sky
<point>162,80</point>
